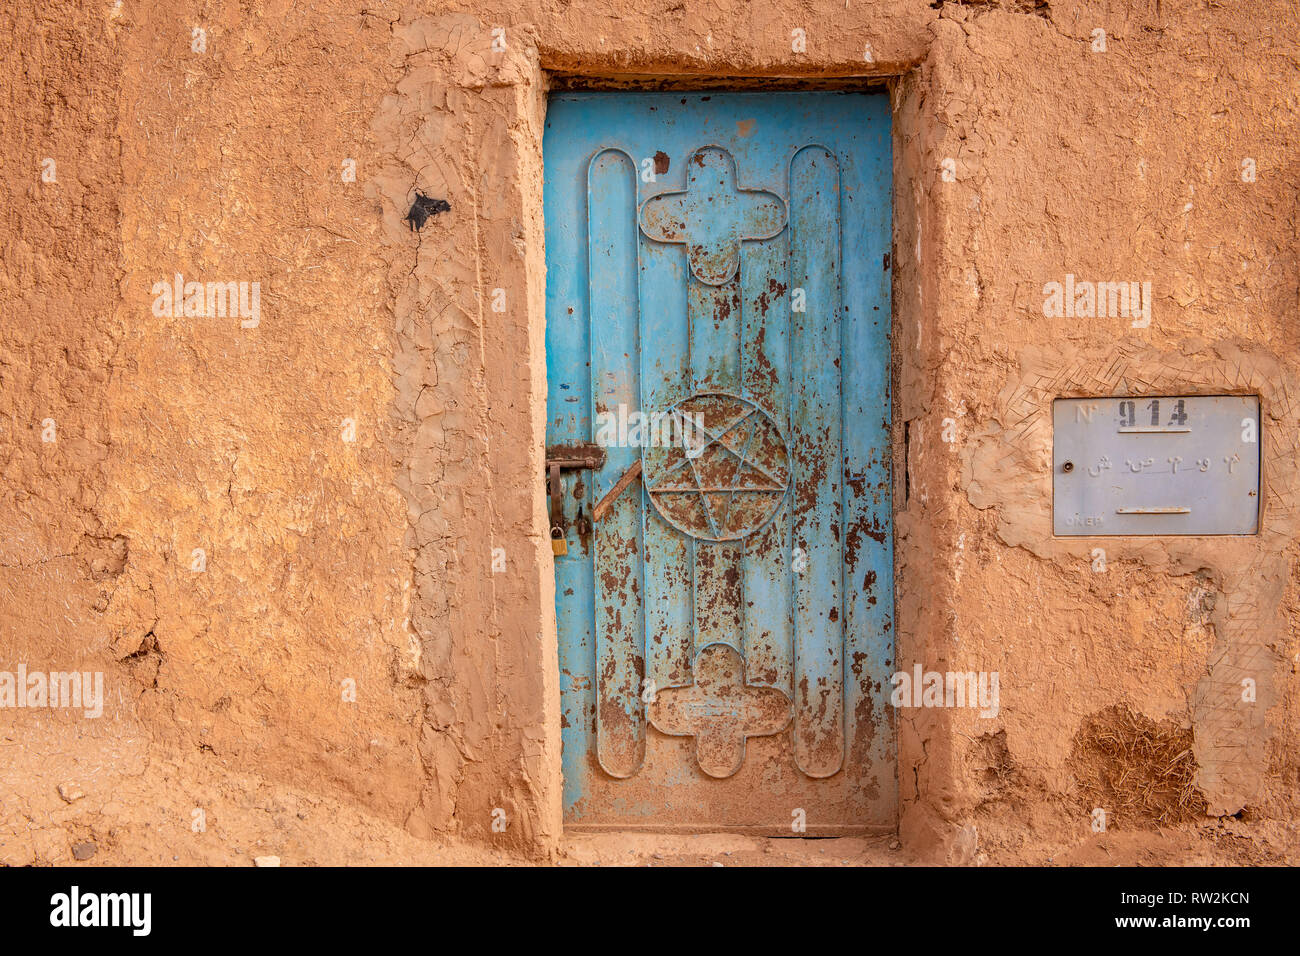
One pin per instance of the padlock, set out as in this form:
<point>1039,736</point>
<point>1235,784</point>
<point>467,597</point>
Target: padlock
<point>559,543</point>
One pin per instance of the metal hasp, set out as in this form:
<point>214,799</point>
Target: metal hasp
<point>1156,465</point>
<point>560,458</point>
<point>717,319</point>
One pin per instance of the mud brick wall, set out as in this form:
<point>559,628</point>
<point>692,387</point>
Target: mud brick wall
<point>313,548</point>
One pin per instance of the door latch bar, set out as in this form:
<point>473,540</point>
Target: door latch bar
<point>561,458</point>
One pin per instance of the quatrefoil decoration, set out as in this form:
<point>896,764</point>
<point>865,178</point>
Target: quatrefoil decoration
<point>713,217</point>
<point>720,710</point>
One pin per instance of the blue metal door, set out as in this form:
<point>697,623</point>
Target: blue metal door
<point>718,322</point>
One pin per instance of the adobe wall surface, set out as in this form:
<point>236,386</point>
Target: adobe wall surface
<point>1125,165</point>
<point>348,465</point>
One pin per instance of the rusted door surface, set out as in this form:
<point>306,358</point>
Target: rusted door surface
<point>718,320</point>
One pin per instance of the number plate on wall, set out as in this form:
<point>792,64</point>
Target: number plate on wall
<point>1155,465</point>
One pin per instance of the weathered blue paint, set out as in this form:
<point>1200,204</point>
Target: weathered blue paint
<point>726,630</point>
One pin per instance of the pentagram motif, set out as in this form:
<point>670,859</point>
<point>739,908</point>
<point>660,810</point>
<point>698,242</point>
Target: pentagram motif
<point>725,473</point>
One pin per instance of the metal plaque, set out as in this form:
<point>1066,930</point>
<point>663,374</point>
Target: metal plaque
<point>1180,464</point>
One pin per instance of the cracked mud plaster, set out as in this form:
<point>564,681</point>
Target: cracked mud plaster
<point>465,123</point>
<point>1007,467</point>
